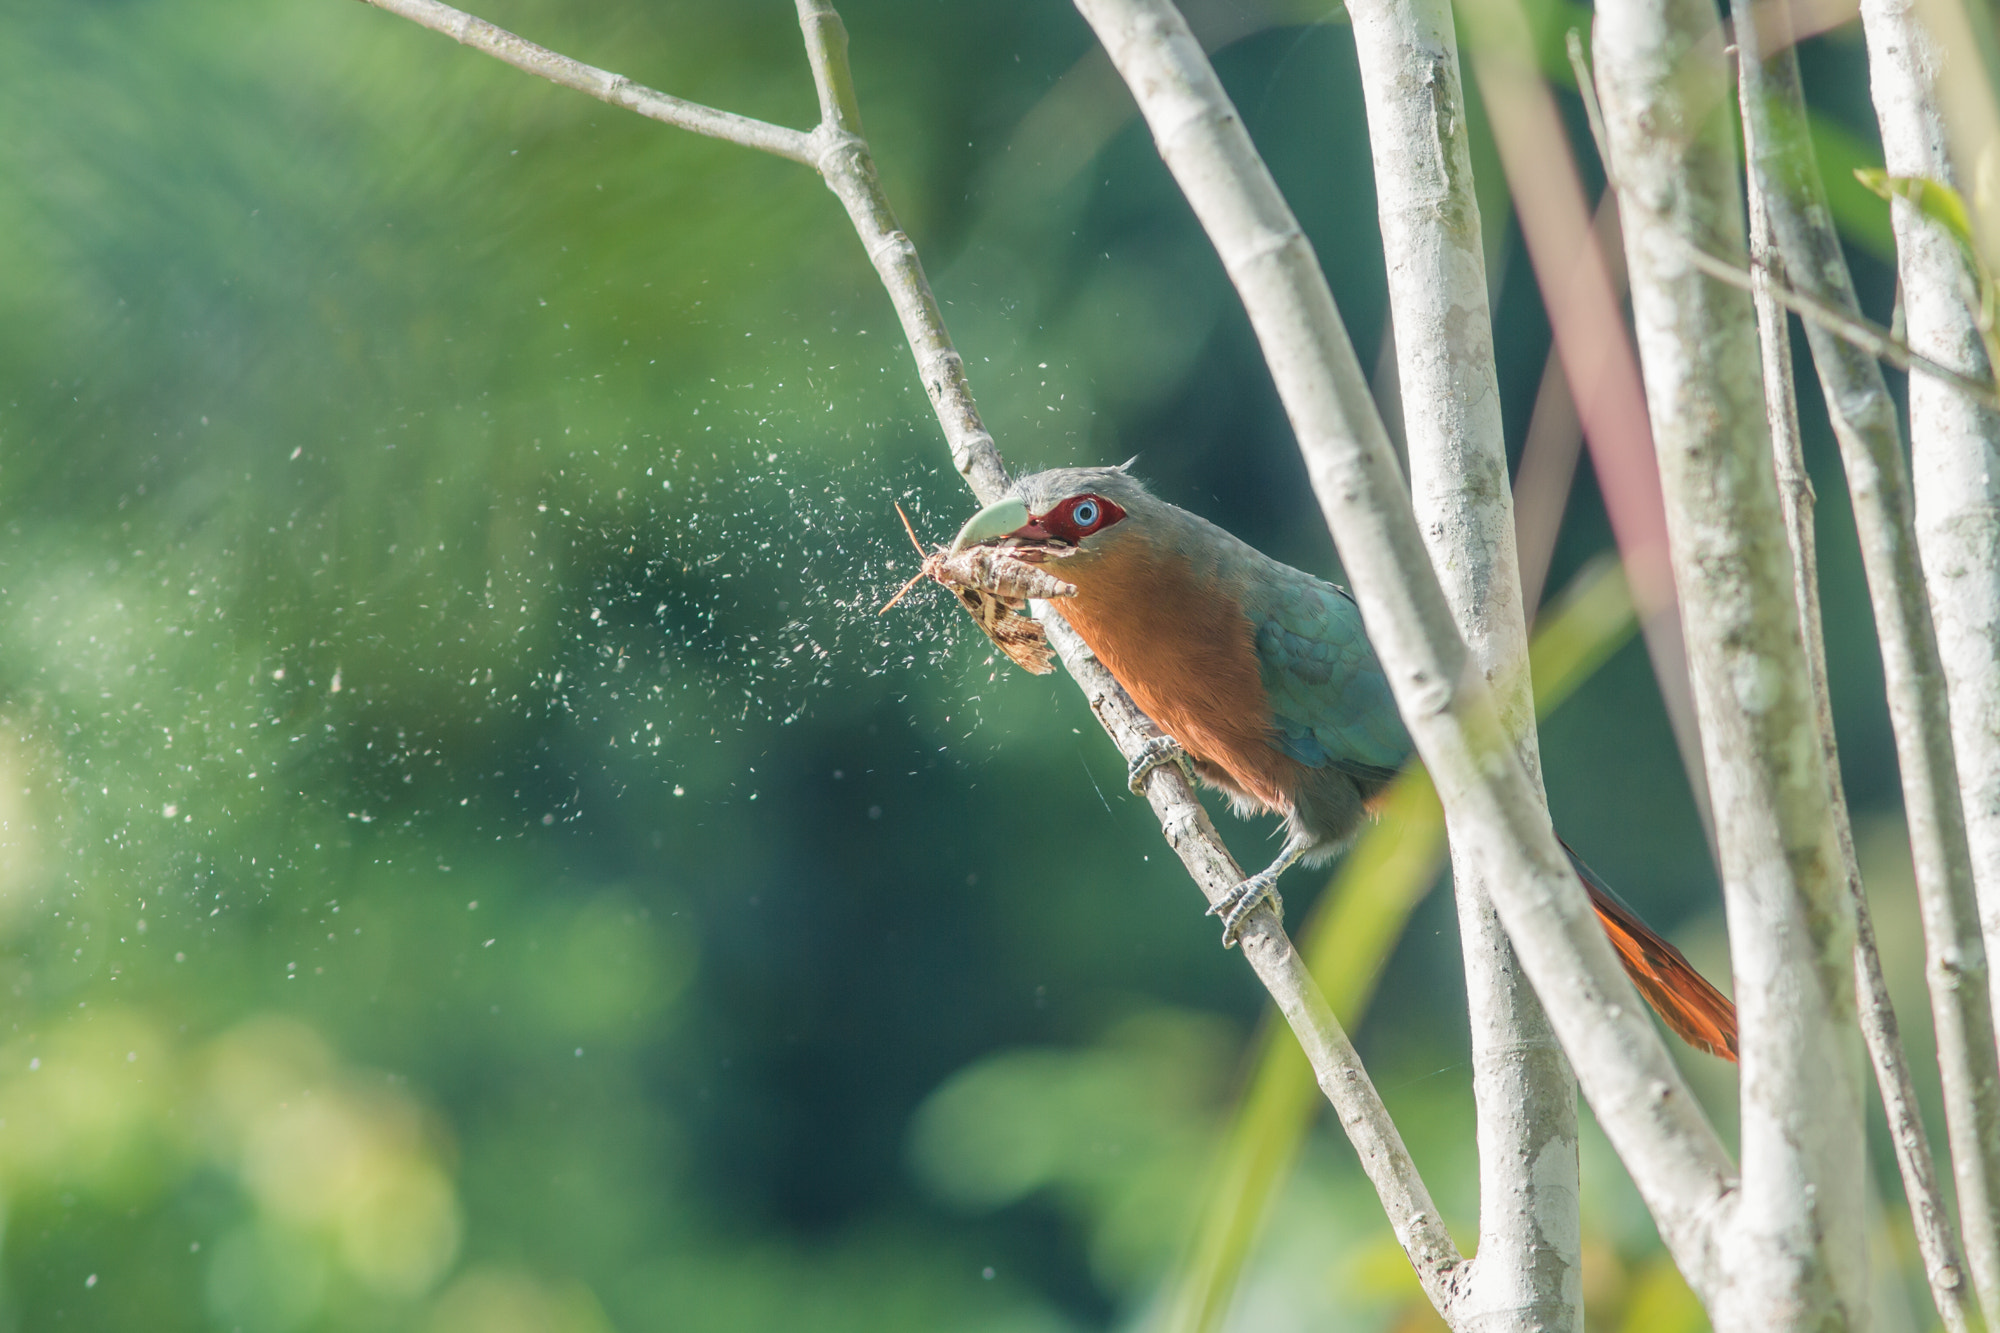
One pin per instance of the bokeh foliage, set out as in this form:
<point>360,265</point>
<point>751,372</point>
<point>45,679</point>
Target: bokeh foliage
<point>470,858</point>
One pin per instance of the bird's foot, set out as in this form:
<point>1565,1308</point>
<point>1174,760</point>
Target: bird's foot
<point>1240,901</point>
<point>1159,750</point>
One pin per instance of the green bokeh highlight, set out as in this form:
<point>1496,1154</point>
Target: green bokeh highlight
<point>470,856</point>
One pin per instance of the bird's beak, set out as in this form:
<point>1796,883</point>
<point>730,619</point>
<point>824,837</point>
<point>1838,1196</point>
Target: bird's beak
<point>998,522</point>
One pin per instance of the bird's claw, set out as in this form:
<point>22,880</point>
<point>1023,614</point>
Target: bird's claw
<point>1240,901</point>
<point>1159,750</point>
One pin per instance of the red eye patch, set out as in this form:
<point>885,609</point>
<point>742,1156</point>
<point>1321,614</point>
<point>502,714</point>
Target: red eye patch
<point>1079,516</point>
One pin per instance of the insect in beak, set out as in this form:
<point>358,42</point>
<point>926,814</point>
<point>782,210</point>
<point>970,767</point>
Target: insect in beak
<point>992,585</point>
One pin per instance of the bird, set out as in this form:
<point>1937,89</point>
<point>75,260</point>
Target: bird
<point>1265,687</point>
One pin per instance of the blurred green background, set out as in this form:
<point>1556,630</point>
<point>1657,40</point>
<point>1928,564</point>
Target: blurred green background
<point>471,858</point>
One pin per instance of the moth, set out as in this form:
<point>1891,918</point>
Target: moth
<point>994,588</point>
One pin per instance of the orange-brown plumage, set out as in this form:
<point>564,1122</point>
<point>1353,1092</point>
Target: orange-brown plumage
<point>1265,677</point>
<point>1699,1014</point>
<point>1184,651</point>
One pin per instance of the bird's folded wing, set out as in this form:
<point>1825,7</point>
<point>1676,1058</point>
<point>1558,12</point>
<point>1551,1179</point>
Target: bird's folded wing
<point>1329,699</point>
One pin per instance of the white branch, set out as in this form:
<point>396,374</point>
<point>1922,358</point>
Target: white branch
<point>602,84</point>
<point>1955,462</point>
<point>1527,1272</point>
<point>1585,306</point>
<point>850,173</point>
<point>1871,445</point>
<point>1633,1085</point>
<point>842,156</point>
<point>1937,1240</point>
<point>1795,1256</point>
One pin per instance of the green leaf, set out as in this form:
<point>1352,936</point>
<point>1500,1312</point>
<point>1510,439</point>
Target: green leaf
<point>1943,205</point>
<point>1936,201</point>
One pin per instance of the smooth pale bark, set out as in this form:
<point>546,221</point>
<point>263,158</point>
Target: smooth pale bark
<point>1857,332</point>
<point>1864,422</point>
<point>1621,1063</point>
<point>1954,442</point>
<point>1585,305</point>
<point>1527,1272</point>
<point>1795,1256</point>
<point>1937,1240</point>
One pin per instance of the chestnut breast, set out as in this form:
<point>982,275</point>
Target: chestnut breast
<point>1181,645</point>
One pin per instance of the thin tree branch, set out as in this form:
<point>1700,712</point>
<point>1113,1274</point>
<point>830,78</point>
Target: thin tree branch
<point>843,159</point>
<point>1871,446</point>
<point>833,77</point>
<point>1346,941</point>
<point>1796,1257</point>
<point>1526,1273</point>
<point>1937,1240</point>
<point>602,84</point>
<point>1336,1067</point>
<point>1954,444</point>
<point>1848,325</point>
<point>1633,1085</point>
<point>1587,321</point>
<point>1852,329</point>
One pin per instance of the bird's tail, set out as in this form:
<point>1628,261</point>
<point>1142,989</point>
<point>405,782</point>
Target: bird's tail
<point>1701,1014</point>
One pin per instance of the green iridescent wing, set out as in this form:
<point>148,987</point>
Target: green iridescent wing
<point>1329,699</point>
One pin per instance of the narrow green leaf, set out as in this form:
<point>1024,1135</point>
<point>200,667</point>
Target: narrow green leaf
<point>1936,201</point>
<point>1944,205</point>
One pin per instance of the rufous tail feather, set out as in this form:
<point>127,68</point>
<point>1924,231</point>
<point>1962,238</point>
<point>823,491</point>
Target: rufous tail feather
<point>1701,1015</point>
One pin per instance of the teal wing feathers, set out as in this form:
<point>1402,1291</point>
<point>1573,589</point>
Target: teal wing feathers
<point>1329,699</point>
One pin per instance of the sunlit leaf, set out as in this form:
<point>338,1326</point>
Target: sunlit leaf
<point>1936,201</point>
<point>1944,206</point>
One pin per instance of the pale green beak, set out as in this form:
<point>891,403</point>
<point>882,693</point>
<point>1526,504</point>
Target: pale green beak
<point>995,521</point>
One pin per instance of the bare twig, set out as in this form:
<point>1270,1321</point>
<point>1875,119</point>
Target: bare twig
<point>1346,941</point>
<point>1526,1271</point>
<point>844,160</point>
<point>1795,1256</point>
<point>1849,325</point>
<point>1850,328</point>
<point>1864,422</point>
<point>1937,1239</point>
<point>1624,1069</point>
<point>850,172</point>
<point>602,84</point>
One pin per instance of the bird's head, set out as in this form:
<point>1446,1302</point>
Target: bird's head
<point>1078,515</point>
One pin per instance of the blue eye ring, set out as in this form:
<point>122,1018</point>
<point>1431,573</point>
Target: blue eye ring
<point>1085,514</point>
